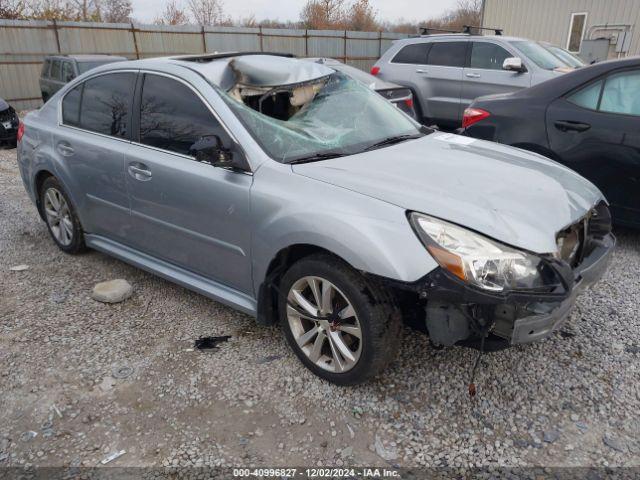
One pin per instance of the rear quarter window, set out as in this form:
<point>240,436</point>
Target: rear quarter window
<point>45,68</point>
<point>55,70</point>
<point>71,107</point>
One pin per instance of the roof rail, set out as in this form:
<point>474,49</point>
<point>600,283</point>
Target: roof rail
<point>429,30</point>
<point>467,29</point>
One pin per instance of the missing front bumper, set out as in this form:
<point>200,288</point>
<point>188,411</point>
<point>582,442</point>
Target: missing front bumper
<point>457,313</point>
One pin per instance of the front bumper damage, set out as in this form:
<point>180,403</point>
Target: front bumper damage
<point>457,313</point>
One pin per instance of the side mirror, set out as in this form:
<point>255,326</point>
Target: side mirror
<point>513,64</point>
<point>209,149</point>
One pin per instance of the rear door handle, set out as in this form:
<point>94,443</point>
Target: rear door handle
<point>65,149</point>
<point>139,171</point>
<point>568,125</point>
<point>473,75</point>
<point>420,70</point>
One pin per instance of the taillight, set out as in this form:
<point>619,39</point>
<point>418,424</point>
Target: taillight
<point>20,131</point>
<point>375,70</point>
<point>409,102</point>
<point>473,115</point>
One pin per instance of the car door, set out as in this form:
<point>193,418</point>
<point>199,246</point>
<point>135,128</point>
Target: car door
<point>441,85</point>
<point>596,132</point>
<point>91,143</point>
<point>186,212</point>
<point>485,76</point>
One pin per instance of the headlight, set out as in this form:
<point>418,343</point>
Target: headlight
<point>477,259</point>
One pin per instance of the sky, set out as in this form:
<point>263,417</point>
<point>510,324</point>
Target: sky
<point>146,10</point>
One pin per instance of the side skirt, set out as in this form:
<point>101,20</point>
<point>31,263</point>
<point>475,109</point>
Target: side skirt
<point>193,281</point>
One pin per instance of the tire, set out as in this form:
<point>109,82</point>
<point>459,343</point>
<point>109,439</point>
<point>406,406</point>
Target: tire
<point>375,318</point>
<point>65,228</point>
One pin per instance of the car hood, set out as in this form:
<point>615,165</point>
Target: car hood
<point>519,198</point>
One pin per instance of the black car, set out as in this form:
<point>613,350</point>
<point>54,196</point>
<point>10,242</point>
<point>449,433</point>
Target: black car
<point>8,124</point>
<point>588,120</point>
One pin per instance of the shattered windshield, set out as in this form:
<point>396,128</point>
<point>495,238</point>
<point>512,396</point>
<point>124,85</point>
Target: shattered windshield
<point>331,116</point>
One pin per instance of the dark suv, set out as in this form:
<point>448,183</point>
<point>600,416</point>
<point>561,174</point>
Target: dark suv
<point>59,70</point>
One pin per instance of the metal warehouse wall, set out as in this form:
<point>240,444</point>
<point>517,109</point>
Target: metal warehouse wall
<point>24,44</point>
<point>549,19</point>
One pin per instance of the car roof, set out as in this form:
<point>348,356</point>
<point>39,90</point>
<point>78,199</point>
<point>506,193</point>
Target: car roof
<point>88,58</point>
<point>259,68</point>
<point>461,36</point>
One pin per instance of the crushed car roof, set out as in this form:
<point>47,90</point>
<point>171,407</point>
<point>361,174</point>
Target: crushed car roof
<point>255,69</point>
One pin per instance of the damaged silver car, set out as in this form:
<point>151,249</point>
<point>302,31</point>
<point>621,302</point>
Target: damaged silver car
<point>299,196</point>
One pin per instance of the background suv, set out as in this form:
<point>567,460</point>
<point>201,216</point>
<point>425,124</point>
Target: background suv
<point>448,71</point>
<point>59,70</point>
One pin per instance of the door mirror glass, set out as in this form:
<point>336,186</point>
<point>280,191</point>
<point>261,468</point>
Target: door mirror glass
<point>513,64</point>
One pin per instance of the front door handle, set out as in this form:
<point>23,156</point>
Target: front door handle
<point>139,171</point>
<point>420,70</point>
<point>65,149</point>
<point>473,75</point>
<point>568,125</point>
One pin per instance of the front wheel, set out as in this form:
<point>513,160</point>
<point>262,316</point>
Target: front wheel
<point>342,327</point>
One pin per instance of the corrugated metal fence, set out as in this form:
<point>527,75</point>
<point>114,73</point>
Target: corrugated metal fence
<point>24,44</point>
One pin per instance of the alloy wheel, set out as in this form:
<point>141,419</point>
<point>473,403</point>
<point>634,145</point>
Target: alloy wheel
<point>324,324</point>
<point>58,216</point>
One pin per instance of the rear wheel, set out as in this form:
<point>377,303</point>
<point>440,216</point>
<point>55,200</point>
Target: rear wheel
<point>60,216</point>
<point>343,328</point>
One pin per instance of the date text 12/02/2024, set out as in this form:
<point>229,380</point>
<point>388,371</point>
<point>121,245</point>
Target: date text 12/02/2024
<point>372,472</point>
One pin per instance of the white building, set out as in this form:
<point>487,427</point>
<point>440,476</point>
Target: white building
<point>596,29</point>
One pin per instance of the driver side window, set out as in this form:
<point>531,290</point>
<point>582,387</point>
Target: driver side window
<point>172,117</point>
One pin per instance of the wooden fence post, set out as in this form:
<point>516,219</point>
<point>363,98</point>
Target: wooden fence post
<point>135,41</point>
<point>55,31</point>
<point>204,41</point>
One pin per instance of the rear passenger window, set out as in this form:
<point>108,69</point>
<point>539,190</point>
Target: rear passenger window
<point>55,70</point>
<point>67,72</point>
<point>488,56</point>
<point>415,53</point>
<point>71,107</point>
<point>106,102</point>
<point>172,117</point>
<point>448,54</point>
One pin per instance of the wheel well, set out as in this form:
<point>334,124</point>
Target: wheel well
<point>267,294</point>
<point>40,178</point>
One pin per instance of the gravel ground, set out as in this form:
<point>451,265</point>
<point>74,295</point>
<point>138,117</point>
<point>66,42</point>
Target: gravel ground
<point>572,400</point>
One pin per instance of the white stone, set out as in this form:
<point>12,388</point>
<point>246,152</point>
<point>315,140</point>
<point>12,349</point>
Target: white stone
<point>113,291</point>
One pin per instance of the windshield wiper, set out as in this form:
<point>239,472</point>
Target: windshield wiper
<point>316,157</point>
<point>392,140</point>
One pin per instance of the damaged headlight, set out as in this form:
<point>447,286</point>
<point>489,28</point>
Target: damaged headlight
<point>475,258</point>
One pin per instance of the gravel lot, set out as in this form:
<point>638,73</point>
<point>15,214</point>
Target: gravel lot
<point>572,400</point>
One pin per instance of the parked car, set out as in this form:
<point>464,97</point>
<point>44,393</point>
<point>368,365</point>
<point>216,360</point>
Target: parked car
<point>295,194</point>
<point>400,96</point>
<point>8,124</point>
<point>588,120</point>
<point>446,72</point>
<point>565,55</point>
<point>58,70</point>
